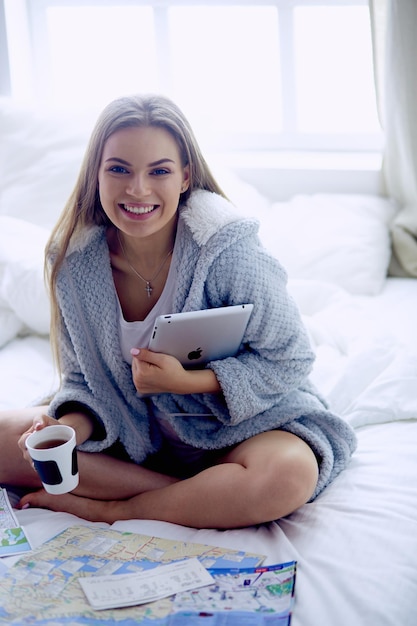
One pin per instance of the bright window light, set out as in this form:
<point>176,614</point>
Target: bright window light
<point>334,75</point>
<point>99,53</point>
<point>225,66</point>
<point>284,75</point>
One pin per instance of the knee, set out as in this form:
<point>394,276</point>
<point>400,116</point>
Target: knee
<point>12,425</point>
<point>9,429</point>
<point>287,482</point>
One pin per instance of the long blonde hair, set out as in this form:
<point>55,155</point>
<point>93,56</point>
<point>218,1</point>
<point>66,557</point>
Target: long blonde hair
<point>84,209</point>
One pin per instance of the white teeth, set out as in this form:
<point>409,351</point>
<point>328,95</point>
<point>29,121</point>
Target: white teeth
<point>138,210</point>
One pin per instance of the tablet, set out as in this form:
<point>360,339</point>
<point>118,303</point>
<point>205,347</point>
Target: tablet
<point>197,337</point>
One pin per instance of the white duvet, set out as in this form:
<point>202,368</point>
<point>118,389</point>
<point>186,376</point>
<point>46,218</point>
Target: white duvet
<point>366,363</point>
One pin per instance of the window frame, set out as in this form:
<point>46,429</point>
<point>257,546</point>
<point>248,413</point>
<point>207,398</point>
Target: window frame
<point>34,31</point>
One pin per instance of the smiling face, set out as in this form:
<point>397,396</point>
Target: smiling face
<point>140,179</point>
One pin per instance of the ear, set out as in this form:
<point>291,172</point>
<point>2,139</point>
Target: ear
<point>186,179</point>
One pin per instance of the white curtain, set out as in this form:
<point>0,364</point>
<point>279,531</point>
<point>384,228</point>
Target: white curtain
<point>394,29</point>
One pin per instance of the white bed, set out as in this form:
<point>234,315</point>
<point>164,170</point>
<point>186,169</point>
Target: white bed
<point>356,545</point>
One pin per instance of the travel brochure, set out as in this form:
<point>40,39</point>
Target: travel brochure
<point>89,575</point>
<point>13,539</point>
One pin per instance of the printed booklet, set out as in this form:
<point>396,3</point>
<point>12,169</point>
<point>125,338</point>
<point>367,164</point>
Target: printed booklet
<point>76,578</point>
<point>13,539</point>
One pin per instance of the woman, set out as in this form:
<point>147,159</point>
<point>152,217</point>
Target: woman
<point>148,231</point>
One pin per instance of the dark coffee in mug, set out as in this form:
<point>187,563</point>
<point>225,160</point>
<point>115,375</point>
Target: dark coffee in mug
<point>52,443</point>
<point>54,455</point>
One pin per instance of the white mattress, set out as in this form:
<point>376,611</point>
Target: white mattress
<point>356,545</point>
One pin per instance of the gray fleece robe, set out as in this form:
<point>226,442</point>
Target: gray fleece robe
<point>220,261</point>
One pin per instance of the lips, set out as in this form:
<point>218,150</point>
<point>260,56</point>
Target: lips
<point>139,209</point>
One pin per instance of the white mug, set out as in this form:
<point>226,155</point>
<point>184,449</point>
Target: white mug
<point>54,455</point>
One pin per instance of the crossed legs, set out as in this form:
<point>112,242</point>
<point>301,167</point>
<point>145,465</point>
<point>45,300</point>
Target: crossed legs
<point>261,479</point>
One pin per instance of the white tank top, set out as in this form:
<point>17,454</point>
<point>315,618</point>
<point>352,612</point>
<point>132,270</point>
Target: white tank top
<point>137,334</point>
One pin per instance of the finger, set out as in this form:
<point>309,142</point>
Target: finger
<point>40,421</point>
<point>146,356</point>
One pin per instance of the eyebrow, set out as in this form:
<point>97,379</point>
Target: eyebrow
<point>154,164</point>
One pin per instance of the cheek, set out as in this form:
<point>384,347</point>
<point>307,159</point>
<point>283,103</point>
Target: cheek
<point>106,199</point>
<point>173,189</point>
<point>100,186</point>
<point>104,189</point>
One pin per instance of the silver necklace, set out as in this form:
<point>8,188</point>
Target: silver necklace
<point>148,287</point>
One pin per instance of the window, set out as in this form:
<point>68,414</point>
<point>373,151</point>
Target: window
<point>266,75</point>
<point>333,69</point>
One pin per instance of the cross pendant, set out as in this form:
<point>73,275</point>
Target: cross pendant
<point>148,288</point>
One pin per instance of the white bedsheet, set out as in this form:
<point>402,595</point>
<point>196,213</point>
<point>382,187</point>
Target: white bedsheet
<point>356,544</point>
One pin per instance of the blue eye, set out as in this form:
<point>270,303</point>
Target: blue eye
<point>118,169</point>
<point>160,171</point>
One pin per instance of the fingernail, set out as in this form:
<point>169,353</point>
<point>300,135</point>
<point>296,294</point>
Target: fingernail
<point>25,506</point>
<point>38,425</point>
<point>134,351</point>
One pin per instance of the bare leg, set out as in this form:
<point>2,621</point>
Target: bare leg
<point>105,478</point>
<point>261,479</point>
<point>14,470</point>
<point>101,476</point>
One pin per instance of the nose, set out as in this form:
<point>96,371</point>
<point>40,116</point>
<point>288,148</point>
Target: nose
<point>138,185</point>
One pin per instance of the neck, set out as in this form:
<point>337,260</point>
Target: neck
<point>147,279</point>
<point>146,252</point>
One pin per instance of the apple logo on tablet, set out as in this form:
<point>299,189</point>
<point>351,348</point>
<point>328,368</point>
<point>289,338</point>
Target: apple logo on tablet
<point>195,354</point>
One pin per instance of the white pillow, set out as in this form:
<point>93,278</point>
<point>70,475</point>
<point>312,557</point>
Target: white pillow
<point>341,239</point>
<point>10,325</point>
<point>22,287</point>
<point>40,156</point>
<point>248,200</point>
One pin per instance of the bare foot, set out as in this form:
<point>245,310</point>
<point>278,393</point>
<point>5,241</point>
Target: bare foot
<point>87,508</point>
